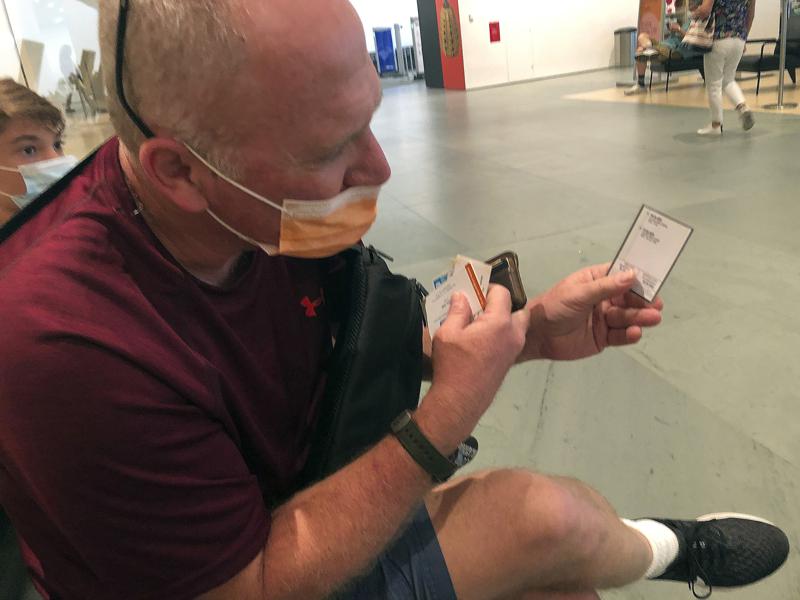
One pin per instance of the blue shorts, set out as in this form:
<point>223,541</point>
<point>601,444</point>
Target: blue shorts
<point>413,568</point>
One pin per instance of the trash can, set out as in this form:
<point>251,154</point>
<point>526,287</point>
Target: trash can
<point>624,46</point>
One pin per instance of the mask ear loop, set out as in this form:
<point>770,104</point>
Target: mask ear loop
<point>9,170</point>
<point>235,184</point>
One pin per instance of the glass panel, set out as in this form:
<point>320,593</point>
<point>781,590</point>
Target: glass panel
<point>9,63</point>
<point>60,53</point>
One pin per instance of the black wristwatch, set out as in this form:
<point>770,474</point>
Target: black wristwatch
<point>421,450</point>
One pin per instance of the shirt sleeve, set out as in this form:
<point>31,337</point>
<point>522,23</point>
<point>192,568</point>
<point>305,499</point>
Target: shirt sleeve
<point>119,486</point>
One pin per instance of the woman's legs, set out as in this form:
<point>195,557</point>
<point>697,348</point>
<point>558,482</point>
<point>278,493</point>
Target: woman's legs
<point>714,63</point>
<point>733,50</point>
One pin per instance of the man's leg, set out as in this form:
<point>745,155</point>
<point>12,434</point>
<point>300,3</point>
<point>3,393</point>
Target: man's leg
<point>641,69</point>
<point>511,532</point>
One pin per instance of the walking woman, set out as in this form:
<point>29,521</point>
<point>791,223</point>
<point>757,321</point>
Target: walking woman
<point>734,18</point>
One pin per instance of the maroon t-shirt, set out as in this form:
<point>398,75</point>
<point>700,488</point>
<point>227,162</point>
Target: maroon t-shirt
<point>148,422</point>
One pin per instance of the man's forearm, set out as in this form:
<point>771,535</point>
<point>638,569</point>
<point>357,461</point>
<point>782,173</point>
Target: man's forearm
<point>330,533</point>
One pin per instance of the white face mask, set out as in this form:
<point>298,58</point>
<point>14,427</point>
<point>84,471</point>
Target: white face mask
<point>313,228</point>
<point>38,177</point>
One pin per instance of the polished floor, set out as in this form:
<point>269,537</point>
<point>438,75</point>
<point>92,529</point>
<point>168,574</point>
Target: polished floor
<point>688,90</point>
<point>702,416</point>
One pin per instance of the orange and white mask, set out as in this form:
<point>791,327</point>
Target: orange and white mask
<point>313,228</point>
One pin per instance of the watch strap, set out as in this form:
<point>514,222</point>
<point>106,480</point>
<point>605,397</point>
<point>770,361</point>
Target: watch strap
<point>424,453</point>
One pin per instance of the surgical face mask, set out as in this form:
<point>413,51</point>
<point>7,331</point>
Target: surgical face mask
<point>313,228</point>
<point>38,177</point>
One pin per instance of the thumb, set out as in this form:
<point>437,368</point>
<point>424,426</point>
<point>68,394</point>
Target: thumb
<point>460,313</point>
<point>521,320</point>
<point>607,287</point>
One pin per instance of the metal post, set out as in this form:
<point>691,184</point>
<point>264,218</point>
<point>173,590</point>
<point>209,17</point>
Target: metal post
<point>401,54</point>
<point>416,35</point>
<point>780,105</point>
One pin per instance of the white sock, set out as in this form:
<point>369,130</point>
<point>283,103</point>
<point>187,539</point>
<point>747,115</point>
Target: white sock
<point>662,540</point>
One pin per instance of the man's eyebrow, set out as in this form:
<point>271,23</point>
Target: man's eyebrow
<point>356,134</point>
<point>342,143</point>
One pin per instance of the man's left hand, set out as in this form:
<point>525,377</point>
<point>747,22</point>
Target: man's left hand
<point>585,313</point>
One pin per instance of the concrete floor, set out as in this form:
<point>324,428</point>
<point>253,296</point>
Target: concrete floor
<point>702,415</point>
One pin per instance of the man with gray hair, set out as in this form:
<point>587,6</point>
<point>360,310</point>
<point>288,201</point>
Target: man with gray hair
<point>167,340</point>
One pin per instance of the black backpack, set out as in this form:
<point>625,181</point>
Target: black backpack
<point>375,370</point>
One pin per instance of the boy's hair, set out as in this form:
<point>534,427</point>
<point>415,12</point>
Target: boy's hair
<point>18,102</point>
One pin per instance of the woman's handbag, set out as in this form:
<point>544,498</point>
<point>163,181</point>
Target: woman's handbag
<point>700,35</point>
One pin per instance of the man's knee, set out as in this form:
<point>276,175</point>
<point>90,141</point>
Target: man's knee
<point>550,514</point>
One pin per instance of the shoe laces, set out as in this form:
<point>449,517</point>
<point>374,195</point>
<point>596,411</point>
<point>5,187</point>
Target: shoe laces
<point>702,556</point>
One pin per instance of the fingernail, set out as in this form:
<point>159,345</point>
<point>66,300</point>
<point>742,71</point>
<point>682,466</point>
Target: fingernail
<point>625,276</point>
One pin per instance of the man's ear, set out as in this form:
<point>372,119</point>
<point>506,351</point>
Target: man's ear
<point>174,172</point>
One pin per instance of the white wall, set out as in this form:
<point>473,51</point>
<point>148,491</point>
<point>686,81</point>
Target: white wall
<point>542,38</point>
<point>589,43</point>
<point>385,13</point>
<point>768,15</point>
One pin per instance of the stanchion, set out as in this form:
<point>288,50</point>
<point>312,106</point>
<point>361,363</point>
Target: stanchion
<point>781,105</point>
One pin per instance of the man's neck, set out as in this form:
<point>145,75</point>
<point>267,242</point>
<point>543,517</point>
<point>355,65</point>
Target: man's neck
<point>196,241</point>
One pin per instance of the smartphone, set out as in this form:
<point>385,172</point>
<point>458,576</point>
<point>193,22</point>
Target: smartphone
<point>505,272</point>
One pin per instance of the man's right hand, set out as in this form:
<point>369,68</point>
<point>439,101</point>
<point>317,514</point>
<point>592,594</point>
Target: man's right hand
<point>470,360</point>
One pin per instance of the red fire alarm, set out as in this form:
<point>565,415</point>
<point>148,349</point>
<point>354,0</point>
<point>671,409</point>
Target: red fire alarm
<point>494,31</point>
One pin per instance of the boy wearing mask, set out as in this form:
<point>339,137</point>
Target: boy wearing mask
<point>31,147</point>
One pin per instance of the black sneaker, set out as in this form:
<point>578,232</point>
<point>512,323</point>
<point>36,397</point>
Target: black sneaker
<point>725,550</point>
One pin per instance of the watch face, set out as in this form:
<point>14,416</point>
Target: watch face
<point>465,453</point>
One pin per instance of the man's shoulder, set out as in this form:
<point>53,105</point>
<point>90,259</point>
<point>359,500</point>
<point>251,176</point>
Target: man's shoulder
<point>72,280</point>
<point>91,186</point>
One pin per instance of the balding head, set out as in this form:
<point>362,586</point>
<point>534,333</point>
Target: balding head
<point>276,94</point>
<point>214,72</point>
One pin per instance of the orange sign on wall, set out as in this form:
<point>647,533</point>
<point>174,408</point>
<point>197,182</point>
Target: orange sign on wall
<point>450,42</point>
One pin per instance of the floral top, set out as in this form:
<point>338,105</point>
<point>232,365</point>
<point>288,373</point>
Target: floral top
<point>731,19</point>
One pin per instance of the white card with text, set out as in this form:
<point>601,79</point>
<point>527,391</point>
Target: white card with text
<point>468,276</point>
<point>651,249</point>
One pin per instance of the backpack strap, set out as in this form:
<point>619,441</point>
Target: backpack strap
<point>376,367</point>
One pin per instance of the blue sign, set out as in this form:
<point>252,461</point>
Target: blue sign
<point>384,50</point>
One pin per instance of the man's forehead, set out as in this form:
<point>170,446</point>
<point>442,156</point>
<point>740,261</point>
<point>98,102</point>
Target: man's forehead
<point>19,130</point>
<point>325,102</point>
<point>308,37</point>
<point>301,85</point>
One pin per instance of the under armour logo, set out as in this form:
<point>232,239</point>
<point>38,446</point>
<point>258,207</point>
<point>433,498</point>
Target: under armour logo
<point>311,306</point>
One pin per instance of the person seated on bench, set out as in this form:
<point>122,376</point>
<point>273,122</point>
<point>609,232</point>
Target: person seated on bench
<point>668,49</point>
<point>31,147</point>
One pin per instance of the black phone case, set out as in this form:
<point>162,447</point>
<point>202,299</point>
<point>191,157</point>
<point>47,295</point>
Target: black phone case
<point>505,272</point>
